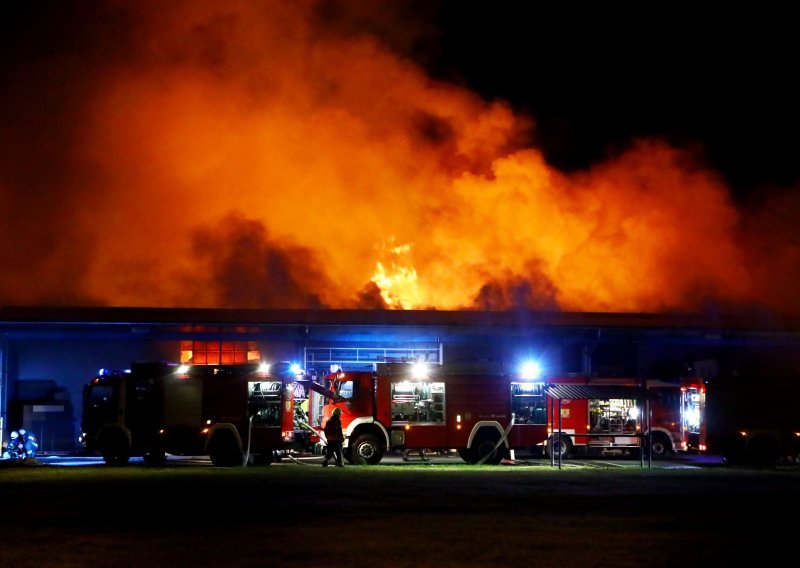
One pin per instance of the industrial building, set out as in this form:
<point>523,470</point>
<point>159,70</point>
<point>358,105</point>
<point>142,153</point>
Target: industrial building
<point>48,354</point>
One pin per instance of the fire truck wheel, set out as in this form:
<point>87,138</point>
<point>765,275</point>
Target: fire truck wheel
<point>154,457</point>
<point>366,450</point>
<point>114,448</point>
<point>483,446</point>
<point>659,446</point>
<point>556,445</point>
<point>464,454</point>
<point>224,450</point>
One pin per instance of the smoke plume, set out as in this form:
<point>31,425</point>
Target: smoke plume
<point>294,155</point>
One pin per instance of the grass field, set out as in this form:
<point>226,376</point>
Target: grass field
<point>407,516</point>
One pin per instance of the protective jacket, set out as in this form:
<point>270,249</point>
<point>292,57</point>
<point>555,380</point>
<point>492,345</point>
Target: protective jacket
<point>333,429</point>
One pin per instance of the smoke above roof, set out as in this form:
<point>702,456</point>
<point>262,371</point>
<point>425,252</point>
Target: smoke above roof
<point>293,155</point>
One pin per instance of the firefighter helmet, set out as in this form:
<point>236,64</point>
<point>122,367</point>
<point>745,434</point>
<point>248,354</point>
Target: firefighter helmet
<point>337,411</point>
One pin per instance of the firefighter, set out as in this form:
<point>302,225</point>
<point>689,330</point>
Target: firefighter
<point>29,443</point>
<point>15,449</point>
<point>335,438</point>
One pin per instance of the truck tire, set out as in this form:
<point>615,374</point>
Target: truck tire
<point>483,447</point>
<point>660,446</point>
<point>224,451</point>
<point>114,447</point>
<point>556,445</point>
<point>366,450</point>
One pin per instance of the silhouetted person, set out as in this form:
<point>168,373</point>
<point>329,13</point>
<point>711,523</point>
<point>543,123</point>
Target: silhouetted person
<point>335,438</point>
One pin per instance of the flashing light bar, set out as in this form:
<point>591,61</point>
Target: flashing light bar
<point>420,370</point>
<point>106,372</point>
<point>530,371</point>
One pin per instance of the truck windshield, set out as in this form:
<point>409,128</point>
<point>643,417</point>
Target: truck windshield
<point>99,395</point>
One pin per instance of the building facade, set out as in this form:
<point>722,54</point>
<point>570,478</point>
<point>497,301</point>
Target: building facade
<point>48,354</point>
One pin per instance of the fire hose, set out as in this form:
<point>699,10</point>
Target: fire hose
<point>302,423</point>
<point>499,442</point>
<point>249,435</point>
<point>320,433</point>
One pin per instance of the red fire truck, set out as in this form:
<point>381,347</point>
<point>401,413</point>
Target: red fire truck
<point>678,416</point>
<point>233,413</point>
<point>602,418</point>
<point>484,413</point>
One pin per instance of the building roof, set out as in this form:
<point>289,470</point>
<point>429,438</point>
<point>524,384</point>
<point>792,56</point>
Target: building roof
<point>506,318</point>
<point>381,326</point>
<point>598,392</point>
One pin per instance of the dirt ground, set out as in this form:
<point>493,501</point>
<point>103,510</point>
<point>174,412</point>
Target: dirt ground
<point>396,516</point>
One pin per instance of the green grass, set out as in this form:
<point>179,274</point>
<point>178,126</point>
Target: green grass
<point>392,516</point>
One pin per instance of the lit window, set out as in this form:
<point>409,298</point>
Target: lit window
<point>219,352</point>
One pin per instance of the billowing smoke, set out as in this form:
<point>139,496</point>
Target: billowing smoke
<point>287,154</point>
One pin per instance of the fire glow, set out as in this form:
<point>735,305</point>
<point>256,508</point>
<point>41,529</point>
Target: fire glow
<point>253,155</point>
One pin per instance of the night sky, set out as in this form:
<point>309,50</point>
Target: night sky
<point>413,154</point>
<point>595,76</point>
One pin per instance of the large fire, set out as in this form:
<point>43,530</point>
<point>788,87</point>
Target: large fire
<point>257,155</point>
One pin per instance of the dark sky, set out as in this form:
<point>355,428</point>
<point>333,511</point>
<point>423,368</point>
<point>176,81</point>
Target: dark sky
<point>594,75</point>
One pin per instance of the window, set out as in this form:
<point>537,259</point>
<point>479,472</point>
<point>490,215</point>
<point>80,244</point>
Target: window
<point>691,402</point>
<point>528,403</point>
<point>219,352</point>
<point>264,402</point>
<point>344,388</point>
<point>418,402</point>
<point>613,415</point>
<point>100,395</point>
